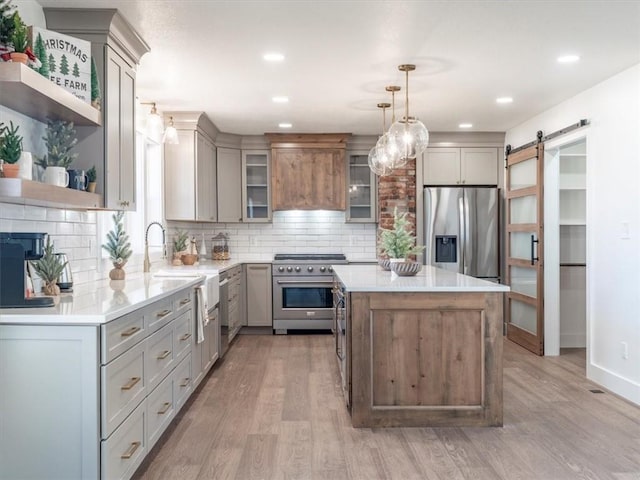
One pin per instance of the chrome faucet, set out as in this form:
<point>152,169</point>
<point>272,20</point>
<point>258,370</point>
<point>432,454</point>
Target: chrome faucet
<point>147,263</point>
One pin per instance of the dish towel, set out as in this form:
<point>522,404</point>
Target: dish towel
<point>201,313</point>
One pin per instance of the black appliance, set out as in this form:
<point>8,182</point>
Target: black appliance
<point>15,250</point>
<point>302,291</point>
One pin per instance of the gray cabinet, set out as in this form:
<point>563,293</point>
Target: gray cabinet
<point>229,185</point>
<point>116,49</point>
<point>190,171</point>
<point>361,189</point>
<point>256,189</point>
<point>457,166</point>
<point>258,292</point>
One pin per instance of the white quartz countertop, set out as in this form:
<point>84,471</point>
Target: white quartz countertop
<point>372,278</point>
<point>101,301</point>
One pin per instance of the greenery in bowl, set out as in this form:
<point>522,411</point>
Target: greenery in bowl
<point>60,140</point>
<point>398,242</point>
<point>10,143</point>
<point>180,243</point>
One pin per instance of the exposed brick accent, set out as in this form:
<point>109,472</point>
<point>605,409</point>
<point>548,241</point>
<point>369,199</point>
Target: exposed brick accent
<point>397,190</point>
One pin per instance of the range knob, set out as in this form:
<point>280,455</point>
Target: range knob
<point>289,269</point>
<point>297,269</point>
<point>323,269</point>
<point>309,269</point>
<point>331,269</point>
<point>281,269</point>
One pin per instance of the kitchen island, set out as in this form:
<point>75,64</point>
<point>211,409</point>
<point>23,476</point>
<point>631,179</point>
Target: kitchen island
<point>420,351</point>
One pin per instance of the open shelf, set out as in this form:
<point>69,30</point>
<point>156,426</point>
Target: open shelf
<point>28,192</point>
<point>26,91</point>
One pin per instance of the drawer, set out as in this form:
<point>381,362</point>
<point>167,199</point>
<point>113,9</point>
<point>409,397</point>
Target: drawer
<point>121,334</point>
<point>158,314</point>
<point>160,410</point>
<point>159,358</point>
<point>182,382</point>
<point>184,301</point>
<point>183,334</point>
<point>123,387</point>
<point>124,451</point>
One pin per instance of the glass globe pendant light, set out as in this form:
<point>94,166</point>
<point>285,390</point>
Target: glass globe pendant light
<point>409,134</point>
<point>387,148</point>
<point>378,161</point>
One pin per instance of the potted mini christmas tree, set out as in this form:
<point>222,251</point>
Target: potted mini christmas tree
<point>10,149</point>
<point>179,246</point>
<point>398,244</point>
<point>91,178</point>
<point>60,140</point>
<point>49,268</point>
<point>118,247</point>
<point>19,40</point>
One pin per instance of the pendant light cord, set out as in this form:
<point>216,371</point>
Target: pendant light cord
<point>406,92</point>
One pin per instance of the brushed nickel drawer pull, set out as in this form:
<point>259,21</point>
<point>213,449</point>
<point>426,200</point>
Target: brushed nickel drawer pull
<point>164,408</point>
<point>185,382</point>
<point>132,449</point>
<point>164,354</point>
<point>185,337</point>
<point>130,384</point>
<point>130,331</point>
<point>184,301</point>
<point>163,313</point>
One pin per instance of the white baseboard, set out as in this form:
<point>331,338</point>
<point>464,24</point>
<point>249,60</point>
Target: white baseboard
<point>624,387</point>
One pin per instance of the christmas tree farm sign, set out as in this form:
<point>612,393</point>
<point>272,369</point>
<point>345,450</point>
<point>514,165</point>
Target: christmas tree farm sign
<point>65,60</point>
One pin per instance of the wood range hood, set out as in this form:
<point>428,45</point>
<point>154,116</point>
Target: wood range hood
<point>308,171</point>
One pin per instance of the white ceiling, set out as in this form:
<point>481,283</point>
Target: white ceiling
<point>207,56</point>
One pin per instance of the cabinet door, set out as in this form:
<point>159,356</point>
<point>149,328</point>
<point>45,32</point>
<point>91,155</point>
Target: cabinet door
<point>256,193</point>
<point>179,178</point>
<point>361,189</point>
<point>479,166</point>
<point>308,179</point>
<point>229,185</point>
<point>441,166</point>
<point>206,188</point>
<point>119,133</point>
<point>259,295</point>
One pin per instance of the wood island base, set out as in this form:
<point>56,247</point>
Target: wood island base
<point>425,359</point>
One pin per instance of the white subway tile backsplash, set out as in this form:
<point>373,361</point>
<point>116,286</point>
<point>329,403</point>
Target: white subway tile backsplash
<point>35,213</point>
<point>10,211</point>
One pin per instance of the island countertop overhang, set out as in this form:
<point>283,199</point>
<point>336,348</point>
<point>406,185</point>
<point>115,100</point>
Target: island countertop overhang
<point>371,278</point>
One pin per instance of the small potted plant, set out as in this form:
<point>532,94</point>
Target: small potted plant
<point>398,244</point>
<point>60,140</point>
<point>91,178</point>
<point>10,149</point>
<point>118,247</point>
<point>179,246</point>
<point>19,40</point>
<point>49,268</point>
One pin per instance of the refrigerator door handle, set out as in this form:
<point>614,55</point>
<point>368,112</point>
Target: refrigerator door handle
<point>468,251</point>
<point>462,240</point>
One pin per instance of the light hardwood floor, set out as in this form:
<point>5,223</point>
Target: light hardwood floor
<point>273,409</point>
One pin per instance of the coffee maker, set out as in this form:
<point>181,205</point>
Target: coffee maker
<point>15,250</point>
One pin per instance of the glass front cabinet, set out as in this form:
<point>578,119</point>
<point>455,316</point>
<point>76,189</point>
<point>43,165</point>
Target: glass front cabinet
<point>256,191</point>
<point>361,189</point>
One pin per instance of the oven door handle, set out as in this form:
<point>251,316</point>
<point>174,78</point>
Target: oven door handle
<point>297,282</point>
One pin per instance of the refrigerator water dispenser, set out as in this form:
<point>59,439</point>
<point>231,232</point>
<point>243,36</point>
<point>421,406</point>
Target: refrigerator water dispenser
<point>446,251</point>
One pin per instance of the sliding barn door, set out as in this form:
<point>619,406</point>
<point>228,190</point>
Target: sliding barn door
<point>524,310</point>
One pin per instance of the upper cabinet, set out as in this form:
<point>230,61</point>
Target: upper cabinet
<point>457,166</point>
<point>116,49</point>
<point>229,185</point>
<point>361,189</point>
<point>256,191</point>
<point>190,170</point>
<point>308,171</point>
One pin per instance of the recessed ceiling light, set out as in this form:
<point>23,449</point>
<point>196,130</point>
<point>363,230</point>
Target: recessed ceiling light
<point>285,125</point>
<point>465,125</point>
<point>273,57</point>
<point>280,99</point>
<point>568,59</point>
<point>504,100</point>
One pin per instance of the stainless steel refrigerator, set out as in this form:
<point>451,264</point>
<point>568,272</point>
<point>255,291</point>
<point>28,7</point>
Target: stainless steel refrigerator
<point>461,230</point>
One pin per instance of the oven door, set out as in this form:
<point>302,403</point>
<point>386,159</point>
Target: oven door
<point>302,298</point>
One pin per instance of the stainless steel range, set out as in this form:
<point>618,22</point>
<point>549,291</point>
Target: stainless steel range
<point>302,291</point>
